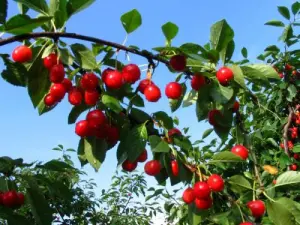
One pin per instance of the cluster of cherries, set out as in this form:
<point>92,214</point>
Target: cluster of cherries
<point>287,69</point>
<point>12,199</point>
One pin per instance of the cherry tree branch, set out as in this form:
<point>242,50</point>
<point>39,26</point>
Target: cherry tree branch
<point>286,130</point>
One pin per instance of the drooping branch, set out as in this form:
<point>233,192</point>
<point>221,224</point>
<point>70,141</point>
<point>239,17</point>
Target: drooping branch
<point>286,130</point>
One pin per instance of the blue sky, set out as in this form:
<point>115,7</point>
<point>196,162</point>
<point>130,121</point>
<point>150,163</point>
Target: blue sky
<point>25,134</point>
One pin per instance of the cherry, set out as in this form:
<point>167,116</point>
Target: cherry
<point>82,128</point>
<point>201,190</point>
<point>293,167</point>
<point>22,54</point>
<point>113,79</point>
<point>10,199</point>
<point>216,183</point>
<point>294,72</point>
<point>203,203</point>
<point>21,199</point>
<point>129,166</point>
<point>143,157</point>
<point>246,223</point>
<point>97,116</point>
<point>296,156</point>
<point>75,96</point>
<point>288,67</point>
<point>67,84</point>
<point>188,195</point>
<point>274,182</point>
<point>236,106</point>
<point>98,131</point>
<point>58,91</point>
<point>197,82</point>
<point>143,84</point>
<point>211,116</point>
<point>131,73</point>
<point>49,100</point>
<point>257,208</point>
<point>105,73</point>
<point>175,169</point>
<point>91,97</point>
<point>224,75</point>
<point>281,75</point>
<point>152,93</point>
<point>240,151</point>
<point>152,167</point>
<point>89,81</point>
<point>174,131</point>
<point>173,90</point>
<point>112,134</point>
<point>51,60</point>
<point>57,73</point>
<point>178,62</point>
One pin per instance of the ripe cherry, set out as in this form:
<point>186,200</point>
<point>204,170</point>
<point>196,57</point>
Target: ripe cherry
<point>216,183</point>
<point>178,62</point>
<point>105,73</point>
<point>75,96</point>
<point>113,79</point>
<point>89,81</point>
<point>97,116</point>
<point>173,90</point>
<point>175,168</point>
<point>57,73</point>
<point>246,223</point>
<point>112,134</point>
<point>91,97</point>
<point>294,73</point>
<point>143,84</point>
<point>174,131</point>
<point>296,156</point>
<point>143,157</point>
<point>274,182</point>
<point>188,195</point>
<point>82,128</point>
<point>10,199</point>
<point>211,116</point>
<point>201,190</point>
<point>257,208</point>
<point>22,54</point>
<point>203,203</point>
<point>67,84</point>
<point>293,167</point>
<point>152,167</point>
<point>58,91</point>
<point>21,199</point>
<point>152,93</point>
<point>51,60</point>
<point>236,106</point>
<point>224,75</point>
<point>49,100</point>
<point>288,67</point>
<point>197,82</point>
<point>240,151</point>
<point>131,73</point>
<point>129,166</point>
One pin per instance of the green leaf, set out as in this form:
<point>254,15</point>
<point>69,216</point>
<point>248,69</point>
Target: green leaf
<point>84,56</point>
<point>292,90</point>
<point>238,75</point>
<point>138,101</point>
<point>287,33</point>
<point>75,6</point>
<point>21,24</point>
<point>244,52</point>
<point>296,148</point>
<point>38,204</point>
<point>292,206</point>
<point>56,165</point>
<point>238,180</point>
<point>58,9</point>
<point>112,103</point>
<point>227,53</point>
<point>158,145</point>
<point>296,7</point>
<point>75,112</point>
<point>22,8</point>
<point>37,5</point>
<point>289,178</point>
<point>170,30</point>
<point>260,72</point>
<point>15,73</point>
<point>221,94</point>
<point>95,151</point>
<point>80,153</point>
<point>190,98</point>
<point>275,23</point>
<point>279,214</point>
<point>220,35</point>
<point>207,133</point>
<point>284,11</point>
<point>225,157</point>
<point>65,56</point>
<point>131,20</point>
<point>175,104</point>
<point>194,219</point>
<point>164,119</point>
<point>3,11</point>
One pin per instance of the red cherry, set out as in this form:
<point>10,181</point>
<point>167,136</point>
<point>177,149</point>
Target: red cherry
<point>67,84</point>
<point>178,62</point>
<point>296,156</point>
<point>58,91</point>
<point>274,182</point>
<point>152,167</point>
<point>201,190</point>
<point>236,106</point>
<point>211,116</point>
<point>51,60</point>
<point>22,54</point>
<point>240,151</point>
<point>294,72</point>
<point>174,131</point>
<point>10,199</point>
<point>246,223</point>
<point>82,128</point>
<point>224,75</point>
<point>188,195</point>
<point>281,145</point>
<point>152,93</point>
<point>281,75</point>
<point>216,183</point>
<point>288,67</point>
<point>21,199</point>
<point>99,131</point>
<point>91,97</point>
<point>197,81</point>
<point>75,96</point>
<point>131,73</point>
<point>129,166</point>
<point>175,168</point>
<point>143,84</point>
<point>89,81</point>
<point>57,73</point>
<point>293,167</point>
<point>113,79</point>
<point>97,116</point>
<point>203,203</point>
<point>1,198</point>
<point>49,100</point>
<point>257,208</point>
<point>112,135</point>
<point>143,157</point>
<point>105,73</point>
<point>173,90</point>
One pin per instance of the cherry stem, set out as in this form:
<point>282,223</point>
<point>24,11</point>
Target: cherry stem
<point>268,197</point>
<point>242,216</point>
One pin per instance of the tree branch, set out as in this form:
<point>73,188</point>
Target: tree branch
<point>286,130</point>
